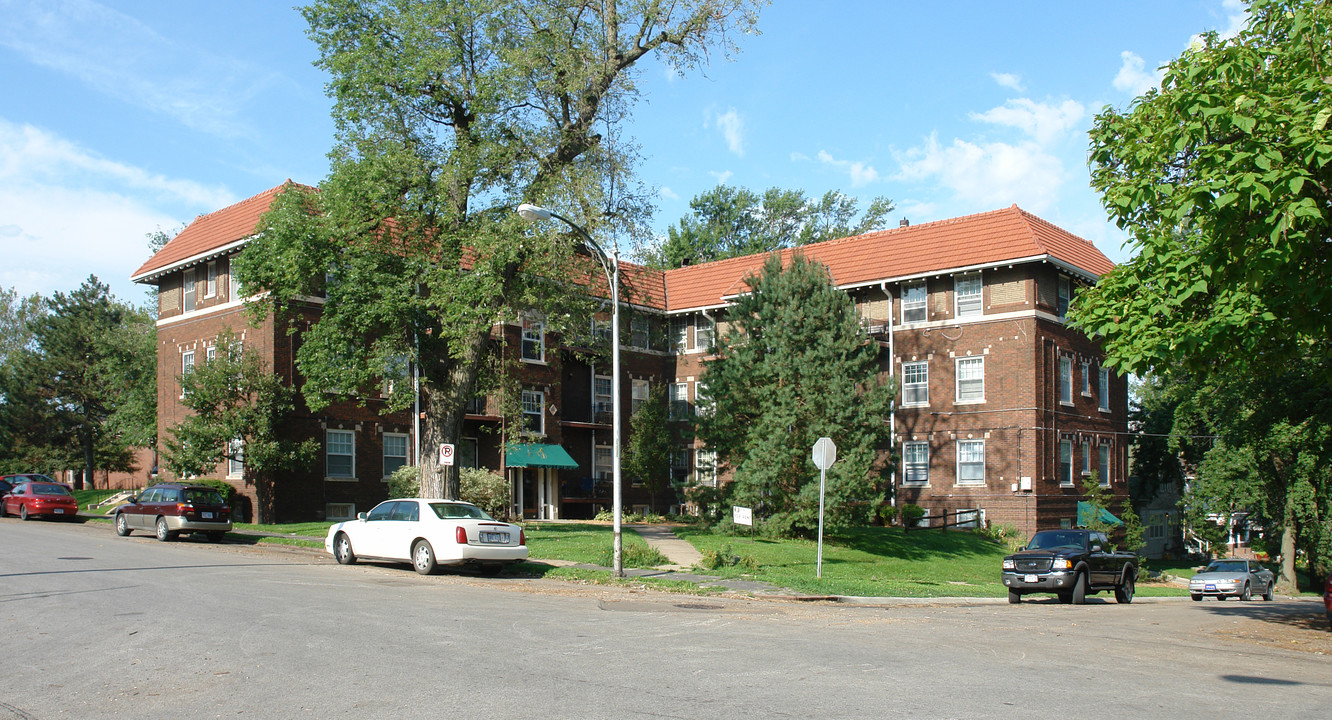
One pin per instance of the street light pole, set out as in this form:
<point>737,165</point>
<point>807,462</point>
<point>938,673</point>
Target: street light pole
<point>610,264</point>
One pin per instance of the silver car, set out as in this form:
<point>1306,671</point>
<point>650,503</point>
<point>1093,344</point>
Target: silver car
<point>1232,578</point>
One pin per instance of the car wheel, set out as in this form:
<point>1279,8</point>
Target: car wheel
<point>1080,589</point>
<point>1014,597</point>
<point>1065,598</point>
<point>1197,598</point>
<point>216,536</point>
<point>163,533</point>
<point>1271,591</point>
<point>1221,598</point>
<point>342,550</point>
<point>1247,595</point>
<point>23,513</point>
<point>423,557</point>
<point>1124,592</point>
<point>122,525</point>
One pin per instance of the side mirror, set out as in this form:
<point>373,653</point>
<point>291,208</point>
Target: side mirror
<point>1096,548</point>
<point>360,516</point>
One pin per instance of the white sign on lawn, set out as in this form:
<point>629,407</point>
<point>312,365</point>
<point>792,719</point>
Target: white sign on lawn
<point>742,515</point>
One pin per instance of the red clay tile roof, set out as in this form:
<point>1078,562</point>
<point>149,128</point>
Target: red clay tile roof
<point>210,233</point>
<point>946,245</point>
<point>964,242</point>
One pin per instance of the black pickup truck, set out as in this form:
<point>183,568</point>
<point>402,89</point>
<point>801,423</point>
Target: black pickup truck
<point>1071,564</point>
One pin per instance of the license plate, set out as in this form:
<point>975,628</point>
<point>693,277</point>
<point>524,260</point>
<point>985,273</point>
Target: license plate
<point>207,515</point>
<point>59,511</point>
<point>1210,588</point>
<point>1030,578</point>
<point>494,537</point>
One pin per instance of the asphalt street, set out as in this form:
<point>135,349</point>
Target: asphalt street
<point>98,626</point>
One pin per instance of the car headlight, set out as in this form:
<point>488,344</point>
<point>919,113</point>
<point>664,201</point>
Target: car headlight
<point>1061,564</point>
<point>1009,564</point>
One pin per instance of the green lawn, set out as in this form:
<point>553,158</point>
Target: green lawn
<point>588,544</point>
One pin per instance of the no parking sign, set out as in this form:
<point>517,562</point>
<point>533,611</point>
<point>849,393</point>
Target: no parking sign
<point>445,454</point>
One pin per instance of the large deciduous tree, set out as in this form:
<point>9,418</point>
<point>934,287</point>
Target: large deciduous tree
<point>449,114</point>
<point>727,222</point>
<point>1223,178</point>
<point>795,365</point>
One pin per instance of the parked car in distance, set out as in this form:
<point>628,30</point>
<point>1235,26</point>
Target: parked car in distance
<point>1232,578</point>
<point>29,499</point>
<point>1071,564</point>
<point>170,509</point>
<point>5,486</point>
<point>428,533</point>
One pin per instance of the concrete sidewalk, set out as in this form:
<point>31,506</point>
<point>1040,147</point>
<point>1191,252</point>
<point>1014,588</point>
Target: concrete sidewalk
<point>683,556</point>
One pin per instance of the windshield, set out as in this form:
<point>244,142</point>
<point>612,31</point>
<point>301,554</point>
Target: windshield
<point>1055,539</point>
<point>1230,566</point>
<point>453,511</point>
<point>44,489</point>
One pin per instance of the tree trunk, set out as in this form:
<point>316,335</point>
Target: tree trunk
<point>444,411</point>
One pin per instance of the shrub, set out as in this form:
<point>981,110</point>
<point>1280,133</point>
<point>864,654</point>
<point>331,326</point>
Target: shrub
<point>717,559</point>
<point>487,490</point>
<point>1006,534</point>
<point>405,482</point>
<point>911,515</point>
<point>638,556</point>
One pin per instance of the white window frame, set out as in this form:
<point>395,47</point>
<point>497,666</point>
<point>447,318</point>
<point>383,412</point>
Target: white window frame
<point>1103,391</point>
<point>190,290</point>
<point>1103,463</point>
<point>210,282</point>
<point>236,458</point>
<point>603,462</point>
<point>210,354</point>
<point>233,285</point>
<point>1065,380</point>
<point>349,435</point>
<point>968,304</point>
<point>602,402</point>
<point>704,331</point>
<point>1086,457</point>
<point>406,452</point>
<point>533,335</point>
<point>967,458</point>
<point>916,384</point>
<point>1065,462</point>
<point>705,467</point>
<point>339,511</point>
<point>1064,295</point>
<point>972,395</point>
<point>639,391</point>
<point>915,309</point>
<point>678,400</point>
<point>915,463</point>
<point>539,398</point>
<point>1086,378</point>
<point>680,325</point>
<point>640,332</point>
<point>186,367</point>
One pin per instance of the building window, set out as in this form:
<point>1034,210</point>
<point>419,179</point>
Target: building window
<point>971,379</point>
<point>395,452</point>
<point>340,453</point>
<point>601,332</point>
<point>534,411</point>
<point>339,511</point>
<point>914,300</point>
<point>1086,457</point>
<point>967,289</point>
<point>639,336</point>
<point>603,405</point>
<point>1104,394</point>
<point>680,333</point>
<point>236,458</point>
<point>1104,465</point>
<point>679,400</point>
<point>1066,380</point>
<point>187,362</point>
<point>468,453</point>
<point>602,465</point>
<point>703,404</point>
<point>915,463</point>
<point>1065,462</point>
<point>915,383</point>
<point>705,467</point>
<point>534,340</point>
<point>638,394</point>
<point>680,464</point>
<point>1065,294</point>
<point>210,286</point>
<point>971,462</point>
<point>476,405</point>
<point>703,334</point>
<point>210,354</point>
<point>233,285</point>
<point>1086,378</point>
<point>970,518</point>
<point>190,290</point>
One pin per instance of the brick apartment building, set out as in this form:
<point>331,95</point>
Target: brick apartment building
<point>1003,409</point>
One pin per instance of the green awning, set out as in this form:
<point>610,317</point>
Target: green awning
<point>1086,514</point>
<point>535,455</point>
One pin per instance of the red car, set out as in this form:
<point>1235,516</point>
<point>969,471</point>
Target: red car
<point>30,499</point>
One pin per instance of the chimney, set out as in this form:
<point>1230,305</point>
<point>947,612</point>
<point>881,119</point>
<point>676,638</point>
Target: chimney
<point>904,223</point>
<point>684,262</point>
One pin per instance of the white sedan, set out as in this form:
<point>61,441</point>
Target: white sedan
<point>428,533</point>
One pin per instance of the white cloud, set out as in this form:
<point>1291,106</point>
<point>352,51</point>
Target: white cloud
<point>1236,19</point>
<point>667,193</point>
<point>722,176</point>
<point>860,173</point>
<point>1008,80</point>
<point>1133,78</point>
<point>121,57</point>
<point>988,175</point>
<point>1044,123</point>
<point>730,124</point>
<point>69,213</point>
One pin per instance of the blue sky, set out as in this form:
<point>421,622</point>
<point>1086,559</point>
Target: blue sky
<point>122,117</point>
